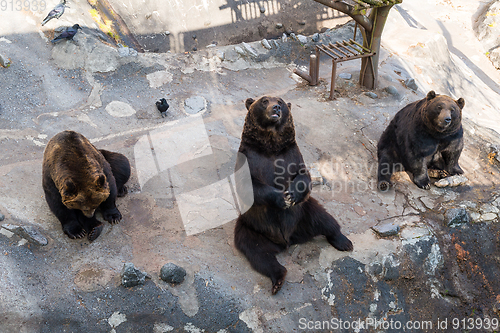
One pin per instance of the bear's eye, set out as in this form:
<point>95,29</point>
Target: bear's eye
<point>265,102</point>
<point>440,107</point>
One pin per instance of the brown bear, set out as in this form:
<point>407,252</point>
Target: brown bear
<point>283,213</point>
<point>78,178</point>
<point>426,134</point>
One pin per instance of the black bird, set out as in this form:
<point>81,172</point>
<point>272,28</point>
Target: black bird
<point>162,106</point>
<point>68,34</point>
<point>56,12</point>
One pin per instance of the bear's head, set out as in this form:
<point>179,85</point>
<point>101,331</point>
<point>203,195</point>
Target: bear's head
<point>268,124</point>
<point>442,113</point>
<point>268,112</point>
<point>84,195</point>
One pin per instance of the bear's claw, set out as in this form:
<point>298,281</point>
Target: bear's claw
<point>96,231</point>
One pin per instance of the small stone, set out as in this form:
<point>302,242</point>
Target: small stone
<point>194,36</point>
<point>284,38</point>
<point>392,90</point>
<point>221,55</point>
<point>4,61</point>
<point>302,39</point>
<point>131,276</point>
<point>250,50</point>
<point>279,26</point>
<point>316,177</point>
<point>266,44</point>
<point>240,51</point>
<point>487,208</point>
<point>29,233</point>
<point>172,273</point>
<point>476,217</point>
<point>167,33</point>
<point>262,9</point>
<point>195,48</point>
<point>488,217</point>
<point>371,94</point>
<point>410,83</point>
<point>451,181</point>
<point>2,217</point>
<point>126,51</point>
<point>386,230</point>
<point>293,36</point>
<point>195,104</point>
<point>345,76</point>
<point>315,37</point>
<point>302,22</point>
<point>456,216</point>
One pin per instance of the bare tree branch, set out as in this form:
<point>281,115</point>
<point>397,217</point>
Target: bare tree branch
<point>349,10</point>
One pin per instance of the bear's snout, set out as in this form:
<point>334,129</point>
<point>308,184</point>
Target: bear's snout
<point>276,111</point>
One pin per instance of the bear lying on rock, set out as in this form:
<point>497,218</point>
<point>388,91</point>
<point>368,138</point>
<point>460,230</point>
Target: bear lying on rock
<point>282,213</point>
<point>426,134</point>
<point>78,179</point>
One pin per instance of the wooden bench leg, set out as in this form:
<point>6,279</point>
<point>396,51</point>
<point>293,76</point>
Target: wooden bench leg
<point>313,76</point>
<point>334,76</point>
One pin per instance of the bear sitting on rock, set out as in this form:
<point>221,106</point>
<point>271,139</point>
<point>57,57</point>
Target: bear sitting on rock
<point>78,179</point>
<point>426,134</point>
<point>283,213</point>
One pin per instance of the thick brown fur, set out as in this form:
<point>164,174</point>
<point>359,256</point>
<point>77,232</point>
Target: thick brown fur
<point>426,134</point>
<point>283,213</point>
<point>78,179</point>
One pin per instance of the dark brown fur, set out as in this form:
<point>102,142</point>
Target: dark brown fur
<point>78,179</point>
<point>426,134</point>
<point>283,213</point>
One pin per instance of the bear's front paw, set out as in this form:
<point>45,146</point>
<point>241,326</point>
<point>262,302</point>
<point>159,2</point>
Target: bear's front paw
<point>424,186</point>
<point>112,215</point>
<point>74,230</point>
<point>289,199</point>
<point>423,182</point>
<point>456,170</point>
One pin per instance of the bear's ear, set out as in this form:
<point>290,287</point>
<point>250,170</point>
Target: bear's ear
<point>431,94</point>
<point>289,106</point>
<point>249,102</point>
<point>460,102</point>
<point>101,180</point>
<point>69,189</point>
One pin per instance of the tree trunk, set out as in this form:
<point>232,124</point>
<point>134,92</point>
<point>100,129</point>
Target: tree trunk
<point>371,39</point>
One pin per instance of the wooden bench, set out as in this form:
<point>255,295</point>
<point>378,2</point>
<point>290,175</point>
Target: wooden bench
<point>339,52</point>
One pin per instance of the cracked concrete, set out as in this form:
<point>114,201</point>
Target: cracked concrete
<point>424,272</point>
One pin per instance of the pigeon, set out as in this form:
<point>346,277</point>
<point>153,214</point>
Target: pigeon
<point>56,12</point>
<point>162,106</point>
<point>68,34</point>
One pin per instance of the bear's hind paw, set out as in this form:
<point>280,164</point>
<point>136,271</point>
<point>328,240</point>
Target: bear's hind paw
<point>278,284</point>
<point>384,185</point>
<point>94,233</point>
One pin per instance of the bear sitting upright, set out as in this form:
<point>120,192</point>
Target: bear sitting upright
<point>78,179</point>
<point>426,134</point>
<point>282,213</point>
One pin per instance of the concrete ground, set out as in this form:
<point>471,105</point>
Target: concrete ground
<point>427,276</point>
